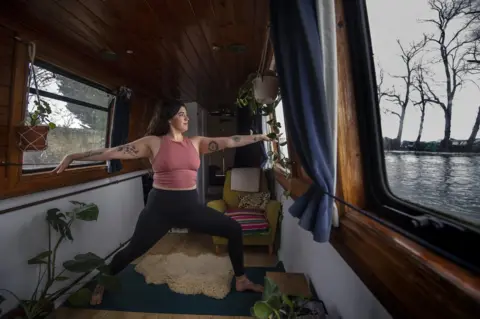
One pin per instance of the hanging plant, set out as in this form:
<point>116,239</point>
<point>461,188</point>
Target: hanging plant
<point>246,98</point>
<point>33,131</point>
<point>265,87</point>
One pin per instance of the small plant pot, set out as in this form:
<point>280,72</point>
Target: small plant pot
<point>265,88</point>
<point>32,138</point>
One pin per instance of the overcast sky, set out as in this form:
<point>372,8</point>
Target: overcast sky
<point>398,19</point>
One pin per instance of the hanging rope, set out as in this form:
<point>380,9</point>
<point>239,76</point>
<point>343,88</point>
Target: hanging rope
<point>263,59</point>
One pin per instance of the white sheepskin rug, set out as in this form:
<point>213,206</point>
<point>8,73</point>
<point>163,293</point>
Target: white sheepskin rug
<point>206,274</point>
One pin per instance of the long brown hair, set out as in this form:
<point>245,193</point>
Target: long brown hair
<point>164,112</point>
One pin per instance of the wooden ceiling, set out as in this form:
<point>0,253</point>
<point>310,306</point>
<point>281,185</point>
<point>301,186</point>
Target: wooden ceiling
<point>185,49</point>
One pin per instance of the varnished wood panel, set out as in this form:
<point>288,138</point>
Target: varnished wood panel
<point>6,58</point>
<point>349,158</point>
<point>171,41</point>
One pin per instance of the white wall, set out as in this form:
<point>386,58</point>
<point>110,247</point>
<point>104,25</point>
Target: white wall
<point>334,281</point>
<point>23,233</point>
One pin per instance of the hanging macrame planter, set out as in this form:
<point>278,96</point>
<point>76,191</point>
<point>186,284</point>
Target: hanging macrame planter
<point>32,138</point>
<point>265,85</point>
<point>33,131</point>
<point>265,88</point>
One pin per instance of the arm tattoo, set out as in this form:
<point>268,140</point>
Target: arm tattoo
<point>128,149</point>
<point>213,146</point>
<point>91,153</point>
<point>255,138</point>
<point>236,138</point>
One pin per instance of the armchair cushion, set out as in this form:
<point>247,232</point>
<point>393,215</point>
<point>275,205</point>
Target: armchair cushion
<point>254,200</point>
<point>218,205</point>
<point>252,221</point>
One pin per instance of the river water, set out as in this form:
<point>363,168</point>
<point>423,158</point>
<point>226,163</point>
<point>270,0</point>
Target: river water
<point>449,184</point>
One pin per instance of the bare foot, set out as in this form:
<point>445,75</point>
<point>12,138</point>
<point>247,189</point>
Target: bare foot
<point>243,284</point>
<point>97,295</point>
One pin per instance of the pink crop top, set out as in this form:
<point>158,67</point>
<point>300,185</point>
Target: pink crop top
<point>176,164</point>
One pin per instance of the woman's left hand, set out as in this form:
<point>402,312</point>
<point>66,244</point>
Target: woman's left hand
<point>265,137</point>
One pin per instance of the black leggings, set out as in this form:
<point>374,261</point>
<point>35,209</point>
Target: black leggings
<point>180,209</point>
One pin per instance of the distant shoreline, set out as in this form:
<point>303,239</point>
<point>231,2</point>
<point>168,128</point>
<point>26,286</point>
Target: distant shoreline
<point>433,153</point>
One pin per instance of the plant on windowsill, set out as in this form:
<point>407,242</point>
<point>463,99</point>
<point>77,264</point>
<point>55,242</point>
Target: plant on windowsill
<point>41,303</point>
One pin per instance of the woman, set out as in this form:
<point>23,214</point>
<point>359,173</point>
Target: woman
<point>173,200</point>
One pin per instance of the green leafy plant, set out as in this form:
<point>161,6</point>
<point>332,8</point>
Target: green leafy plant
<point>40,115</point>
<point>246,98</point>
<point>275,304</point>
<point>41,301</point>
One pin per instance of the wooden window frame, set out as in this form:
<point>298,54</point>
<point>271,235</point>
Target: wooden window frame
<point>18,184</point>
<point>409,279</point>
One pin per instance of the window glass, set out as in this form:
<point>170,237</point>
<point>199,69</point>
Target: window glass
<point>280,118</point>
<point>428,91</point>
<point>79,126</point>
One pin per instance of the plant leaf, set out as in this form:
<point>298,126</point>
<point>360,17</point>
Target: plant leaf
<point>270,289</point>
<point>52,125</point>
<point>81,297</point>
<point>40,258</point>
<point>87,212</point>
<point>84,263</point>
<point>262,310</point>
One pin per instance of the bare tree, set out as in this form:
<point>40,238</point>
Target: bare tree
<point>453,53</point>
<point>381,92</point>
<point>475,52</point>
<point>422,102</point>
<point>408,57</point>
<point>474,133</point>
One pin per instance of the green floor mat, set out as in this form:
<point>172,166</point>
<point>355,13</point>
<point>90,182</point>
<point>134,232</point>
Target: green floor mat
<point>137,296</point>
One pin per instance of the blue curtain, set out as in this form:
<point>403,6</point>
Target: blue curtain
<point>299,60</point>
<point>120,124</point>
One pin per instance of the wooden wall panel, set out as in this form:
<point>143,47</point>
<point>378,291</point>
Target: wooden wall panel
<point>6,58</point>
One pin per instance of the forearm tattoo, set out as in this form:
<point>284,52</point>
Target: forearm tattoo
<point>91,153</point>
<point>213,146</point>
<point>236,138</point>
<point>128,149</point>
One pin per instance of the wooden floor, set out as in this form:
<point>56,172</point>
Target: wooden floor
<point>191,244</point>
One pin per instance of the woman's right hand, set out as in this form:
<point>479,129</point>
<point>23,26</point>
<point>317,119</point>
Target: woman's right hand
<point>67,160</point>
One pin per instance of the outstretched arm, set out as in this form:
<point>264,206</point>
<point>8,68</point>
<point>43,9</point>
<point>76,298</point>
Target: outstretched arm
<point>207,145</point>
<point>134,150</point>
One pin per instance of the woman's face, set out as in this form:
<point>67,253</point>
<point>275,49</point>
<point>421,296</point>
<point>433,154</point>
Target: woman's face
<point>180,121</point>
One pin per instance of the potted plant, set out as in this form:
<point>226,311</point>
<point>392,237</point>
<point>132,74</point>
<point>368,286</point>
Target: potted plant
<point>41,303</point>
<point>33,131</point>
<point>276,305</point>
<point>265,87</point>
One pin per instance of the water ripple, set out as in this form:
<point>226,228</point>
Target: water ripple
<point>445,183</point>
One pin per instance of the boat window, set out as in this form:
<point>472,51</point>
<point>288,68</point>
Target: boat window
<point>79,110</point>
<point>415,86</point>
<point>280,118</point>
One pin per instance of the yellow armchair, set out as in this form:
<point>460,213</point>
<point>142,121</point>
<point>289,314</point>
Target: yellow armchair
<point>231,200</point>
